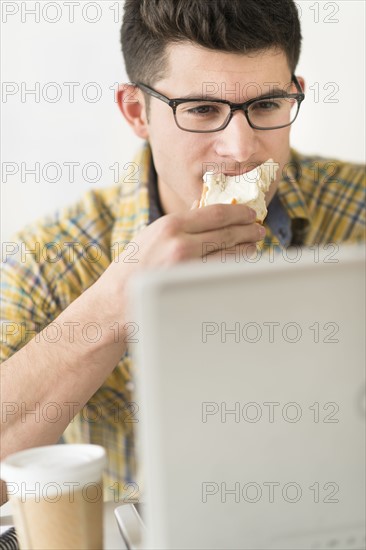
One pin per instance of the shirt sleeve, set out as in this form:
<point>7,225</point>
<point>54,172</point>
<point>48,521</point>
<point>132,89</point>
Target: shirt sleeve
<point>27,304</point>
<point>47,266</point>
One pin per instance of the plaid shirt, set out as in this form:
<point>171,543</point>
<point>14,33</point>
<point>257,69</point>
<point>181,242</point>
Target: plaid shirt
<point>318,201</point>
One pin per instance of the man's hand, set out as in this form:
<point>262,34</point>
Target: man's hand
<point>174,238</point>
<point>179,237</point>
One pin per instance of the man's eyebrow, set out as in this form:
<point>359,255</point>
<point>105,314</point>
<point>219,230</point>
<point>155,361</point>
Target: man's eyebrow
<point>272,91</point>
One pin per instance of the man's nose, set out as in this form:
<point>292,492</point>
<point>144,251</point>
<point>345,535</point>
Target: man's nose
<point>238,141</point>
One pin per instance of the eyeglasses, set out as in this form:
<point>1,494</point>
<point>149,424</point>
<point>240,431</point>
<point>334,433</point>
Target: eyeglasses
<point>269,112</point>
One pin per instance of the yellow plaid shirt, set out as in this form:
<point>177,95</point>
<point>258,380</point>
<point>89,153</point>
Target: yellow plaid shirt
<point>327,196</point>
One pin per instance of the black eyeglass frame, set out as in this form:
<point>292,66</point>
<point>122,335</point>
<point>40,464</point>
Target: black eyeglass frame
<point>173,103</point>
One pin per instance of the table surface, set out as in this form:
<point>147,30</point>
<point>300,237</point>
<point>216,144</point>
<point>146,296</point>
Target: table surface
<point>112,537</point>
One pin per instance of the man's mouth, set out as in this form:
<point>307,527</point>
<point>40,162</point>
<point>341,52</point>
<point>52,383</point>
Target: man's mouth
<point>233,174</point>
<point>241,170</point>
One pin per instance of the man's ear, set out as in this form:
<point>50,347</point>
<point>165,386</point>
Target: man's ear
<point>301,82</point>
<point>132,105</point>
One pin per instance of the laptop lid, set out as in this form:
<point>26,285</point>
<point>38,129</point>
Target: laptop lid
<point>252,380</point>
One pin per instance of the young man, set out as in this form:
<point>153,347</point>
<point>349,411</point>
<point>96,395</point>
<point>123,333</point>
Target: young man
<point>67,369</point>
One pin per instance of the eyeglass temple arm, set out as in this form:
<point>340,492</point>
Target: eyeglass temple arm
<point>152,92</point>
<point>298,86</point>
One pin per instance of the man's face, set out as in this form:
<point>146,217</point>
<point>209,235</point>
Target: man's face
<point>181,158</point>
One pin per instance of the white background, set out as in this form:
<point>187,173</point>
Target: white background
<point>331,121</point>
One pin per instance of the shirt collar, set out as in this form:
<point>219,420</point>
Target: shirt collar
<point>289,190</point>
<point>156,209</point>
<point>131,212</point>
<point>291,196</point>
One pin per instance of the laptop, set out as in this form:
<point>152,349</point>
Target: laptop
<point>251,381</point>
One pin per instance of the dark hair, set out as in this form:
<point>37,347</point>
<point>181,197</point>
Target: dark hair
<point>238,26</point>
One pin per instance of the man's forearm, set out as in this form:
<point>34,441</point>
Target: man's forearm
<point>58,376</point>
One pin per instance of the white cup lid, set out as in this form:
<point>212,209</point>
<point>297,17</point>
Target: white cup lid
<point>55,463</point>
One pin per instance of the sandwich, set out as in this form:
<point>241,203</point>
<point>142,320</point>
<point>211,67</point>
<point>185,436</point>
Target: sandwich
<point>248,188</point>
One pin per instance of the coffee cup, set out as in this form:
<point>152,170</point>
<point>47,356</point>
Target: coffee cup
<point>56,495</point>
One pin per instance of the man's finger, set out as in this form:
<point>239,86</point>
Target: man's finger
<point>243,252</point>
<point>217,216</point>
<point>231,236</point>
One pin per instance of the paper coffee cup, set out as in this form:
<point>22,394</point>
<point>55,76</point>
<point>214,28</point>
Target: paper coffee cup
<point>56,495</point>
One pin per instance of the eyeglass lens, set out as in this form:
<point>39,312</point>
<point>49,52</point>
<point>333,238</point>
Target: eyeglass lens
<point>208,115</point>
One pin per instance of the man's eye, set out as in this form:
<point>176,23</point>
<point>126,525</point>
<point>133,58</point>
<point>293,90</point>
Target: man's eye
<point>203,110</point>
<point>266,105</point>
